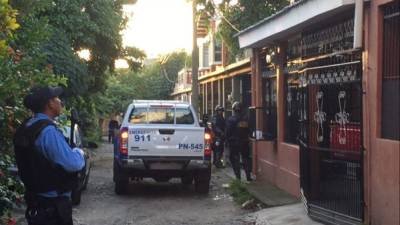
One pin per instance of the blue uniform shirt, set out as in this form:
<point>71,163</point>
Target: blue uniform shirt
<point>51,143</point>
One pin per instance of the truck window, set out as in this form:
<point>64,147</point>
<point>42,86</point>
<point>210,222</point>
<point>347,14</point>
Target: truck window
<point>184,116</point>
<point>160,115</point>
<point>138,115</point>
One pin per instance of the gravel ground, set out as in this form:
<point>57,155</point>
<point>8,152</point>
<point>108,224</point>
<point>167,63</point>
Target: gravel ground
<point>151,203</point>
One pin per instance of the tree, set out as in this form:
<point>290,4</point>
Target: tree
<point>236,17</point>
<point>155,81</point>
<point>66,27</point>
<point>21,65</point>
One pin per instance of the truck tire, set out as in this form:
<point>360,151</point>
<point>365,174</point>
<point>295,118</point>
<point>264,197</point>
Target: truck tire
<point>187,180</point>
<point>202,186</point>
<point>121,183</point>
<point>202,181</point>
<point>121,187</point>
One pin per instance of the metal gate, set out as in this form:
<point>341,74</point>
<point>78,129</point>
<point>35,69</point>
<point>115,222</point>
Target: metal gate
<point>331,139</point>
<point>326,88</point>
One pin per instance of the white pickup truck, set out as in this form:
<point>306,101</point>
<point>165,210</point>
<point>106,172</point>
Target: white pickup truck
<point>162,139</point>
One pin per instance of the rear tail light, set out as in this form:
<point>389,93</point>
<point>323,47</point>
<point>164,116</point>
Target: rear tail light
<point>207,136</point>
<point>207,145</point>
<point>123,144</point>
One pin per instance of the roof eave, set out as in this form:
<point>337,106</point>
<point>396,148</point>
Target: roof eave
<point>290,20</point>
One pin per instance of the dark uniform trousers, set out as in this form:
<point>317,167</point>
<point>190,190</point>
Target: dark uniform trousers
<point>49,211</point>
<point>239,149</point>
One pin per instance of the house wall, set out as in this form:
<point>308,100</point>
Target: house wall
<point>382,192</point>
<point>274,161</point>
<point>278,162</point>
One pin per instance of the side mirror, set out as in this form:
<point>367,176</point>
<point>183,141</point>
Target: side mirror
<point>90,144</point>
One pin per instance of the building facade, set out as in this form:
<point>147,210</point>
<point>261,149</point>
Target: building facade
<point>183,86</point>
<point>325,95</point>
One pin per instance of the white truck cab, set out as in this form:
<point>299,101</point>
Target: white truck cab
<point>162,139</point>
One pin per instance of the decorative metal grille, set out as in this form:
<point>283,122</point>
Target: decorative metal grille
<point>228,92</point>
<point>270,107</point>
<point>330,134</point>
<point>332,39</point>
<point>292,88</point>
<point>215,91</point>
<point>269,91</point>
<point>209,98</point>
<point>335,38</point>
<point>391,72</point>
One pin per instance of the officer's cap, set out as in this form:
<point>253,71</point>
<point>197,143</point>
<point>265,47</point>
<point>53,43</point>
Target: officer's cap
<point>38,97</point>
<point>219,108</point>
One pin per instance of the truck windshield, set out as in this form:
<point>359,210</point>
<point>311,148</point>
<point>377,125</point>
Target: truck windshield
<point>161,115</point>
<point>138,115</point>
<point>184,116</point>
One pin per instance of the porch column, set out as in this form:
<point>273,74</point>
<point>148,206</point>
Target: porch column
<point>256,100</point>
<point>281,58</point>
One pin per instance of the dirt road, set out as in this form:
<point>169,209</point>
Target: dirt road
<point>151,203</point>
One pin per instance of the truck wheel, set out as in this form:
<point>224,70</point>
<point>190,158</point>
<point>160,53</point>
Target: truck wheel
<point>76,197</point>
<point>86,181</point>
<point>121,187</point>
<point>187,180</point>
<point>121,183</point>
<point>202,186</point>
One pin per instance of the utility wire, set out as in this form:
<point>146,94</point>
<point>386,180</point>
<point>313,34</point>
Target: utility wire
<point>220,14</point>
<point>163,70</point>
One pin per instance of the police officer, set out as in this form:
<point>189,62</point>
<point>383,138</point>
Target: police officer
<point>237,135</point>
<point>46,163</point>
<point>218,126</point>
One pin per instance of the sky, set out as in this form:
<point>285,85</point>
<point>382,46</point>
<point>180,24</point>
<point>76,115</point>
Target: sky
<point>159,26</point>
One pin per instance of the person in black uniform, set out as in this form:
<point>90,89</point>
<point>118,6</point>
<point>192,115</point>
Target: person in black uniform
<point>237,135</point>
<point>218,126</point>
<point>47,165</point>
<point>112,126</point>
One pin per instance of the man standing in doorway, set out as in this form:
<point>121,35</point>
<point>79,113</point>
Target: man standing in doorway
<point>237,135</point>
<point>46,163</point>
<point>112,126</point>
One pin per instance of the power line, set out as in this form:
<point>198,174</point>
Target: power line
<point>220,14</point>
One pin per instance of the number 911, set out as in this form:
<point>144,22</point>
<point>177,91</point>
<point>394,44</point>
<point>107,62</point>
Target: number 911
<point>142,137</point>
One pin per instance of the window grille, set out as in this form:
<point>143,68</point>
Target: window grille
<point>215,95</point>
<point>217,51</point>
<point>206,55</point>
<point>293,98</point>
<point>269,93</point>
<point>335,38</point>
<point>228,92</point>
<point>270,107</point>
<point>209,98</point>
<point>391,72</point>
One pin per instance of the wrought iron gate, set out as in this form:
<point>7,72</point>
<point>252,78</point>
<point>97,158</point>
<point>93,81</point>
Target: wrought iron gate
<point>331,138</point>
<point>324,94</point>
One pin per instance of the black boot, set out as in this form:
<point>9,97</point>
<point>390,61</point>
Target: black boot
<point>248,177</point>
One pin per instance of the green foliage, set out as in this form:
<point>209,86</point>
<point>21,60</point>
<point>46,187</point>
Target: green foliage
<point>123,86</point>
<point>21,68</point>
<point>155,81</point>
<point>8,24</point>
<point>44,51</point>
<point>134,57</point>
<point>11,189</point>
<point>239,192</point>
